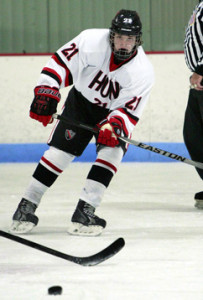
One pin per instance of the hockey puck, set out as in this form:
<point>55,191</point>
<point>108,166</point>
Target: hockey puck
<point>55,290</point>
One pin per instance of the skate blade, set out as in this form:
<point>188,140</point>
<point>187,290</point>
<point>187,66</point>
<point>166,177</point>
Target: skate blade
<point>81,230</point>
<point>19,227</point>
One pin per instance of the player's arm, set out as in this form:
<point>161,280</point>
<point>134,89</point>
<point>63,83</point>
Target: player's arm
<point>122,120</point>
<point>55,75</point>
<point>44,103</point>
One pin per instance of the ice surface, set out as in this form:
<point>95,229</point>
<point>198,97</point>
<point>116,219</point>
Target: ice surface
<point>150,205</point>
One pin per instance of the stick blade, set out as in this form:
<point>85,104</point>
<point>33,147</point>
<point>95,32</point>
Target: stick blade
<point>103,255</point>
<point>91,260</point>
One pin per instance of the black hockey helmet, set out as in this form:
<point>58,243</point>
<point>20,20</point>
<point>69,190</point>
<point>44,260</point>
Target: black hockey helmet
<point>126,22</point>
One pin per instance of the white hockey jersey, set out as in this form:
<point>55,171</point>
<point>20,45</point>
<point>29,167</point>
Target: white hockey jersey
<point>87,62</point>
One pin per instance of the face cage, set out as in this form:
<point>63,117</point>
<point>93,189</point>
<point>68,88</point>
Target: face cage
<point>124,54</point>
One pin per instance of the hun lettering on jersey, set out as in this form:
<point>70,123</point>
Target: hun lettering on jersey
<point>105,86</point>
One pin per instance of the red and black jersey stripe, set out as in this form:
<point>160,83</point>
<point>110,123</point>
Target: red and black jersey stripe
<point>59,61</point>
<point>53,74</point>
<point>132,119</point>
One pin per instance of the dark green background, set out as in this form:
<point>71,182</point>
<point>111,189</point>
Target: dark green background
<point>42,26</point>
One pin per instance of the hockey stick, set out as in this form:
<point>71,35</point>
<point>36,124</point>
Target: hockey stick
<point>91,260</point>
<point>133,142</point>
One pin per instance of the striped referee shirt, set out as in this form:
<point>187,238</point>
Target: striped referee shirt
<point>193,44</point>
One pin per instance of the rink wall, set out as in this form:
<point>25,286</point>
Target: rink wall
<point>24,140</point>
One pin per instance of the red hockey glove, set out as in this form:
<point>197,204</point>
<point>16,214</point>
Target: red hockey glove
<point>44,104</point>
<point>109,131</point>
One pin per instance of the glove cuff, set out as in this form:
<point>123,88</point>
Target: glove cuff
<point>47,91</point>
<point>117,126</point>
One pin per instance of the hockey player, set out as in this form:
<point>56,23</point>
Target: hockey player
<point>112,79</point>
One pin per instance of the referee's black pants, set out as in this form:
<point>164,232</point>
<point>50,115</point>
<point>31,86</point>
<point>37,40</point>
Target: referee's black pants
<point>193,127</point>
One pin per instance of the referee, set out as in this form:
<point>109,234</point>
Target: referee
<point>193,123</point>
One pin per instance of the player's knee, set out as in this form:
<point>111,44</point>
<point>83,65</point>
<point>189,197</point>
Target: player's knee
<point>58,157</point>
<point>111,155</point>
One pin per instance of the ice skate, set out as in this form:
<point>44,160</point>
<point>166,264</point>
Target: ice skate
<point>24,218</point>
<point>199,200</point>
<point>85,222</point>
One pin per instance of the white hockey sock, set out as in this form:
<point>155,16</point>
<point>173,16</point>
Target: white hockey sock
<point>92,192</point>
<point>108,158</point>
<point>35,191</point>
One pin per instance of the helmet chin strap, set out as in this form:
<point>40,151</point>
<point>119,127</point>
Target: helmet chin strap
<point>123,54</point>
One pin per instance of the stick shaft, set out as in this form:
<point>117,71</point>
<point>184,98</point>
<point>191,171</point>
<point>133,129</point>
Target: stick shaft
<point>75,123</point>
<point>34,245</point>
<point>164,153</point>
<point>135,143</point>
